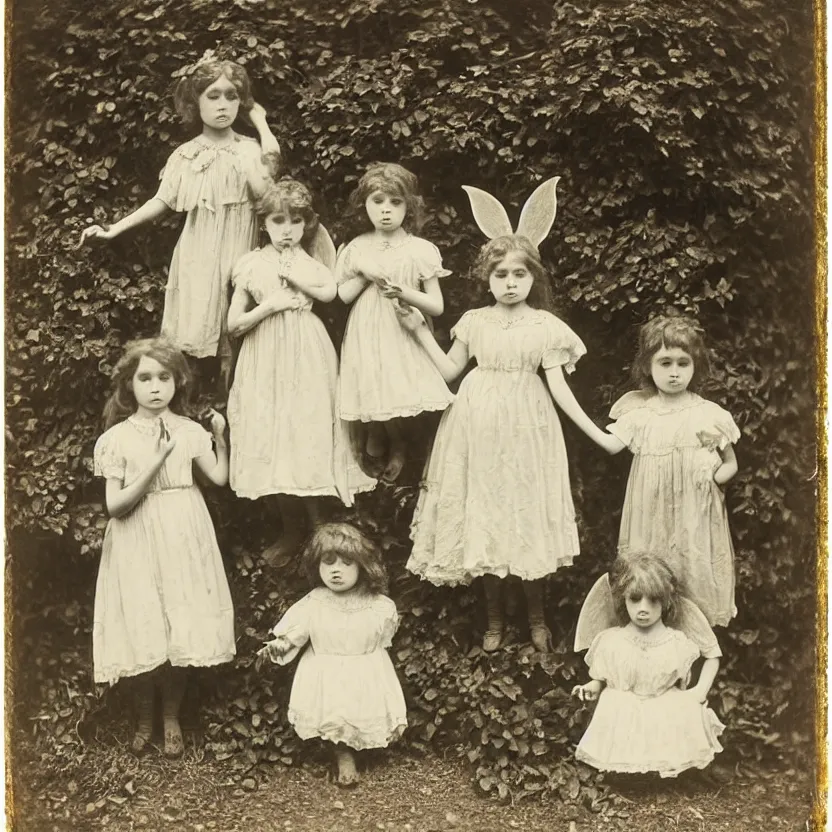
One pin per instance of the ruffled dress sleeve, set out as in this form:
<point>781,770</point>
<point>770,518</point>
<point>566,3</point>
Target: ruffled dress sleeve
<point>629,414</point>
<point>198,440</point>
<point>108,458</point>
<point>563,347</point>
<point>389,621</point>
<point>243,269</point>
<point>294,627</point>
<point>718,428</point>
<point>462,330</point>
<point>428,261</point>
<point>601,654</point>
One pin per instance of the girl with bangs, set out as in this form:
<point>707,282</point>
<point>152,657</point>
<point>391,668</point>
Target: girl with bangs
<point>345,689</point>
<point>285,437</point>
<point>385,375</point>
<point>646,720</point>
<point>683,456</point>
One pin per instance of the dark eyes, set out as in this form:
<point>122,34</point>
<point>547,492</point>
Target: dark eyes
<point>330,559</point>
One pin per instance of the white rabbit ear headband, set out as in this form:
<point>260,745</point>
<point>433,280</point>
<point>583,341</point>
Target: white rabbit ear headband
<point>536,218</point>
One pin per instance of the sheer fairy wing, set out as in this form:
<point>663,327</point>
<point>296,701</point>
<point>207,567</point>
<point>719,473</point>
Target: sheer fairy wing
<point>538,214</point>
<point>597,614</point>
<point>322,248</point>
<point>489,213</point>
<point>692,622</point>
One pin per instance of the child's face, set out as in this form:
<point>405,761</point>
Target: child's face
<point>285,229</point>
<point>153,386</point>
<point>339,574</point>
<point>219,104</point>
<point>386,211</point>
<point>672,370</point>
<point>643,611</point>
<point>510,280</point>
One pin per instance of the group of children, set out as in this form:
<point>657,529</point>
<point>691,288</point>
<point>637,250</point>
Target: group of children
<point>495,498</point>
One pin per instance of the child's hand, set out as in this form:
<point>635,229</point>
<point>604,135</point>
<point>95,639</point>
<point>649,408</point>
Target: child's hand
<point>281,300</point>
<point>588,692</point>
<point>257,114</point>
<point>271,651</point>
<point>409,316</point>
<point>95,232</point>
<point>388,289</point>
<point>164,443</point>
<point>217,423</point>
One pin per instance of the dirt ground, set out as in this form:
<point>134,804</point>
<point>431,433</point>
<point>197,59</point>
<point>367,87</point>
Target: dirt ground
<point>399,792</point>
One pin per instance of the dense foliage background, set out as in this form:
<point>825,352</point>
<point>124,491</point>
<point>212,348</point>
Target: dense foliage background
<point>683,139</point>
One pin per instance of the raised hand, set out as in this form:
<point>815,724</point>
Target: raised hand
<point>164,442</point>
<point>217,423</point>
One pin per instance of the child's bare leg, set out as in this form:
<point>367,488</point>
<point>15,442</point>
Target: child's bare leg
<point>375,440</point>
<point>143,689</point>
<point>294,531</point>
<point>314,511</point>
<point>347,774</point>
<point>494,612</point>
<point>397,450</point>
<point>540,634</point>
<point>173,689</point>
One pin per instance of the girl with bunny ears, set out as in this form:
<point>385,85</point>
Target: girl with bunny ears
<point>496,499</point>
<point>214,178</point>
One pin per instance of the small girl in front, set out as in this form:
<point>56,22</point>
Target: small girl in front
<point>286,439</point>
<point>215,178</point>
<point>385,376</point>
<point>161,600</point>
<point>683,453</point>
<point>645,720</point>
<point>496,499</point>
<point>345,689</point>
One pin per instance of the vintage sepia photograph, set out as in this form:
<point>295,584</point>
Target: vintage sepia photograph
<point>413,416</point>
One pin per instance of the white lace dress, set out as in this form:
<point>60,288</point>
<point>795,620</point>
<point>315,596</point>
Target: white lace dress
<point>161,595</point>
<point>496,498</point>
<point>210,182</point>
<point>285,436</point>
<point>385,373</point>
<point>644,721</point>
<point>345,687</point>
<point>673,508</point>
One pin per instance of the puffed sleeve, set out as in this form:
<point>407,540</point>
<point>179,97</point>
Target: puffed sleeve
<point>180,182</point>
<point>389,617</point>
<point>428,261</point>
<point>628,413</point>
<point>563,347</point>
<point>599,657</point>
<point>692,622</point>
<point>108,458</point>
<point>241,272</point>
<point>294,627</point>
<point>718,429</point>
<point>462,330</point>
<point>343,262</point>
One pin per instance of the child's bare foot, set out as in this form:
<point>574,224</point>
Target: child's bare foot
<point>541,638</point>
<point>174,743</point>
<point>347,771</point>
<point>140,739</point>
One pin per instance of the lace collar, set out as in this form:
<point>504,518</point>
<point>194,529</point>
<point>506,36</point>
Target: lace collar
<point>528,317</point>
<point>149,425</point>
<point>647,641</point>
<point>353,601</point>
<point>668,406</point>
<point>380,244</point>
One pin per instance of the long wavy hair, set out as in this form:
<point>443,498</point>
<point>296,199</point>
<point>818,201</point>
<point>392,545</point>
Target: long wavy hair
<point>190,87</point>
<point>121,402</point>
<point>393,180</point>
<point>494,251</point>
<point>644,575</point>
<point>292,197</point>
<point>347,542</point>
<point>669,331</point>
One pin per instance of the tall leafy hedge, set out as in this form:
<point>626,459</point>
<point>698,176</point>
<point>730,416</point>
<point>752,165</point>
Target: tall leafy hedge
<point>683,139</point>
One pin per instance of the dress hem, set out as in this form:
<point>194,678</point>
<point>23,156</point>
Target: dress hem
<point>348,734</point>
<point>402,412</point>
<point>424,572</point>
<point>112,678</point>
<point>635,768</point>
